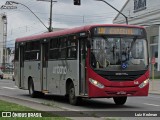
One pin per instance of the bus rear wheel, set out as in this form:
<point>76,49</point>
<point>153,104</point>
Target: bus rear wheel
<point>73,100</point>
<point>120,100</point>
<point>32,92</point>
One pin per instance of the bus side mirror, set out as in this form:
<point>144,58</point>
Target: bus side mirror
<point>88,43</point>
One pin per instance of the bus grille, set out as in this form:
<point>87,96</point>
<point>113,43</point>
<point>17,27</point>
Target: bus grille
<point>128,76</point>
<point>121,78</point>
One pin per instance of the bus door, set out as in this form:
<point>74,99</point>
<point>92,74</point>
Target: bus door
<point>21,76</point>
<point>82,82</point>
<point>44,65</point>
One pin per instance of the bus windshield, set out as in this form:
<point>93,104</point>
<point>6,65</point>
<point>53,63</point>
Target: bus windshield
<point>119,53</point>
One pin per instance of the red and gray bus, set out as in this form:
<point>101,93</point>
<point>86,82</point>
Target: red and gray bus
<point>94,61</point>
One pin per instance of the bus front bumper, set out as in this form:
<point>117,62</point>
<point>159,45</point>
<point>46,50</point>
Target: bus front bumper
<point>106,92</point>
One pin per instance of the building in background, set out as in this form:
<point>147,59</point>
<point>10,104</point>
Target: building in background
<point>147,14</point>
<point>3,38</point>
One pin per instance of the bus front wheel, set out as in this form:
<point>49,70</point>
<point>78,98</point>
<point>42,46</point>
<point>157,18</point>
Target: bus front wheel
<point>120,100</point>
<point>73,100</point>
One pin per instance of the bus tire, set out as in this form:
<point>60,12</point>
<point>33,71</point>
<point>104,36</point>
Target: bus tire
<point>120,100</point>
<point>32,92</point>
<point>73,100</point>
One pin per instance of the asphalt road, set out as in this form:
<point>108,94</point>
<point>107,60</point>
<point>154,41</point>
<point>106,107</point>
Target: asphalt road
<point>150,103</point>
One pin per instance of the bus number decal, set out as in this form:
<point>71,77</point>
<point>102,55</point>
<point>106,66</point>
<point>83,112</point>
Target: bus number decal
<point>60,70</point>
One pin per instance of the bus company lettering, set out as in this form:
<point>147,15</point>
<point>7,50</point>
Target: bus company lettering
<point>60,70</point>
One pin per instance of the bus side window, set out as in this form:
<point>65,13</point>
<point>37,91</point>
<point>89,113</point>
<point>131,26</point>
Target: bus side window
<point>16,52</point>
<point>32,50</point>
<point>54,48</point>
<point>72,48</point>
<point>73,52</point>
<point>27,51</point>
<point>93,60</point>
<point>62,49</point>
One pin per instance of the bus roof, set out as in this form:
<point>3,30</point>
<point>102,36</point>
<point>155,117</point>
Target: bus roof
<point>69,31</point>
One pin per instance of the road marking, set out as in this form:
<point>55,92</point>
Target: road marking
<point>9,88</point>
<point>152,104</point>
<point>66,108</point>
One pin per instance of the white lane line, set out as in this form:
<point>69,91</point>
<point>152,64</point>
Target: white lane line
<point>66,108</point>
<point>152,104</point>
<point>9,88</point>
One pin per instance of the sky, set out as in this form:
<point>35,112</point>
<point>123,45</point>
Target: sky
<point>21,22</point>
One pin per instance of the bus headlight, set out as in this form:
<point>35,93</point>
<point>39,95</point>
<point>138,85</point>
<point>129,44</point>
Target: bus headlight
<point>96,83</point>
<point>144,83</point>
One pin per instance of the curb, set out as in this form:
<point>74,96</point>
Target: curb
<point>155,92</point>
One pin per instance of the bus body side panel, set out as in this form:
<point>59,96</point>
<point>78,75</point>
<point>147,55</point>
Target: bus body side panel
<point>17,73</point>
<point>58,72</point>
<point>32,69</point>
<point>52,82</point>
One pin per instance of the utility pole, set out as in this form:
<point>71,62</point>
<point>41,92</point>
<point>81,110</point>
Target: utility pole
<point>50,20</point>
<point>4,59</point>
<point>3,38</point>
<point>50,29</point>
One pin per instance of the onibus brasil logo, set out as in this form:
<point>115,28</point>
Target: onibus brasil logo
<point>21,114</point>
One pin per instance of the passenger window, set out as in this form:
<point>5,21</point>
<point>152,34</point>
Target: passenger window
<point>72,48</point>
<point>54,48</point>
<point>32,50</point>
<point>63,49</point>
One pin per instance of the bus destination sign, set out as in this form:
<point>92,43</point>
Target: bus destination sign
<point>118,31</point>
